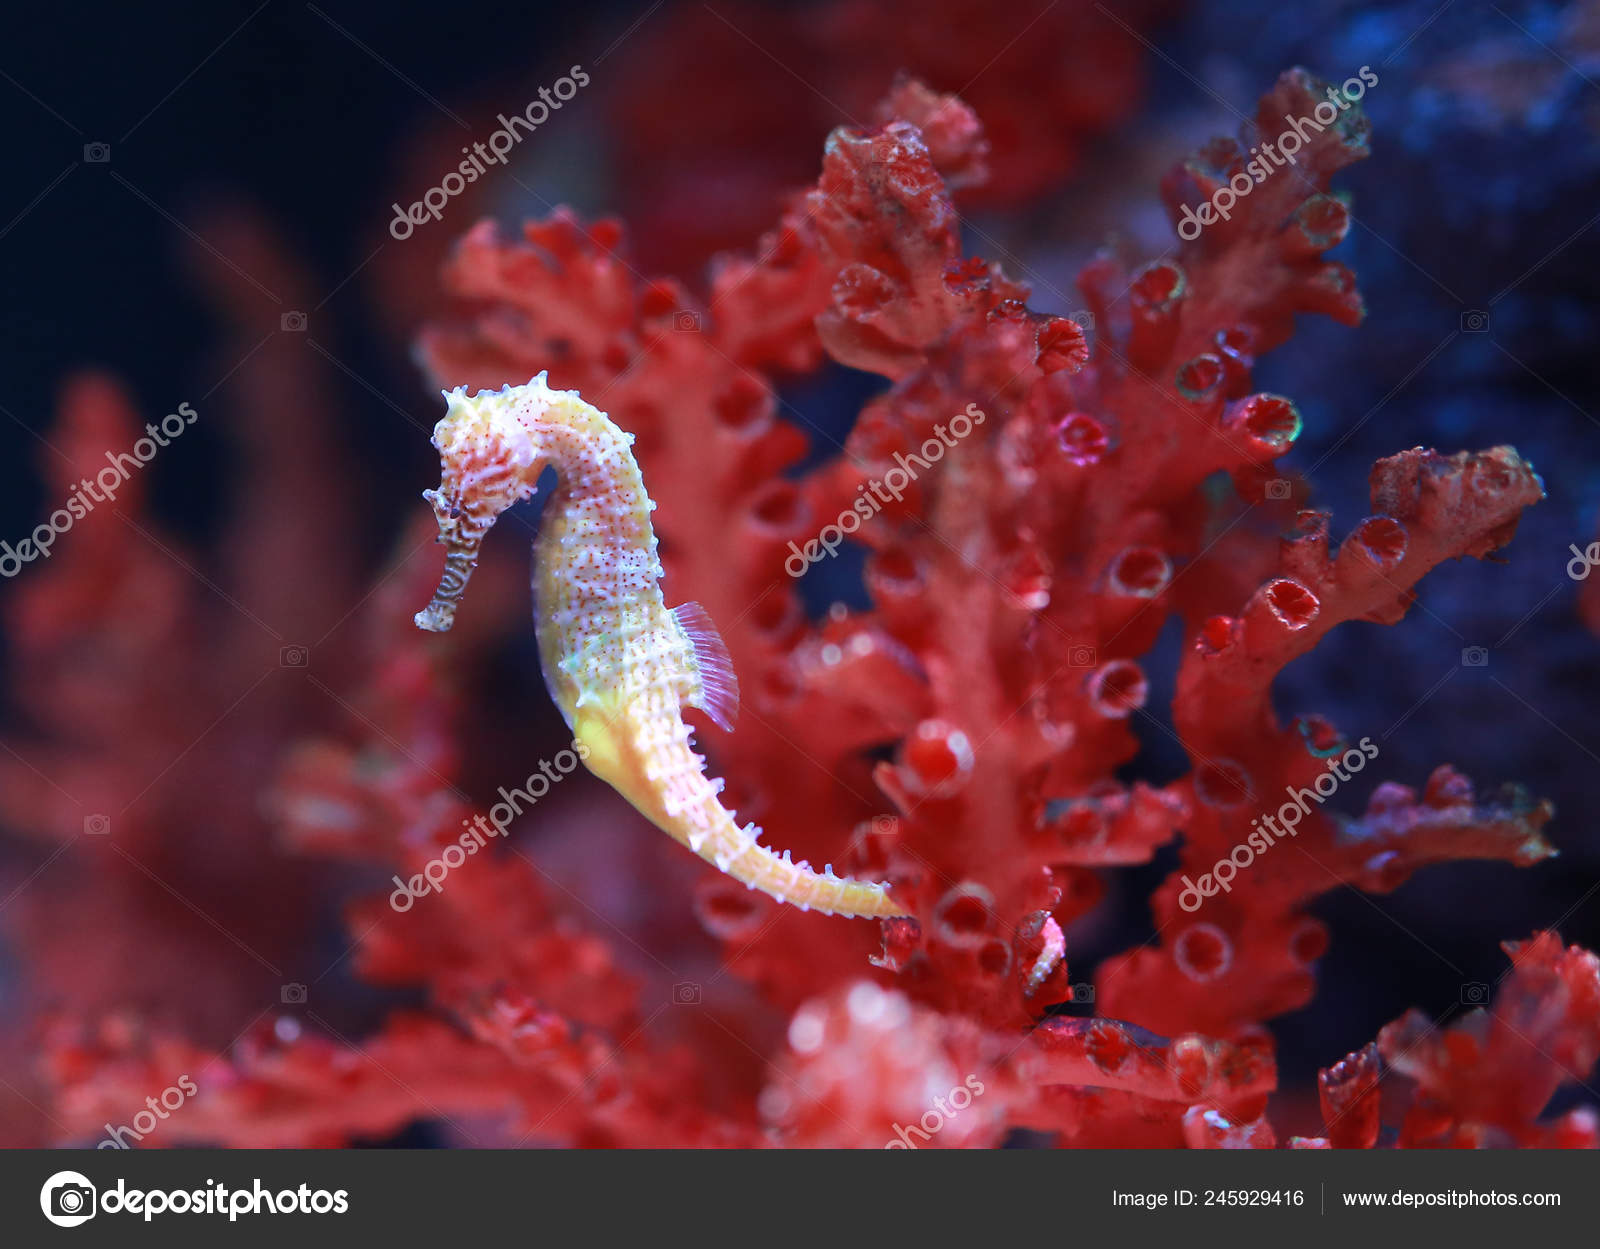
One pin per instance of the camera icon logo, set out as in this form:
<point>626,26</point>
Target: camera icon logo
<point>293,322</point>
<point>1080,656</point>
<point>1084,318</point>
<point>1474,321</point>
<point>294,657</point>
<point>687,322</point>
<point>67,1199</point>
<point>1082,995</point>
<point>1278,488</point>
<point>1475,993</point>
<point>97,825</point>
<point>293,994</point>
<point>96,153</point>
<point>686,993</point>
<point>1475,657</point>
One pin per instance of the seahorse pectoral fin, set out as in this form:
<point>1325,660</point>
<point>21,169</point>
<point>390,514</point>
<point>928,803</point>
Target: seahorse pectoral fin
<point>716,688</point>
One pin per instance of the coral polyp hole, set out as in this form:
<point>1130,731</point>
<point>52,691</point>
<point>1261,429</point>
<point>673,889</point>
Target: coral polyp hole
<point>1223,784</point>
<point>1309,523</point>
<point>965,915</point>
<point>1323,219</point>
<point>1108,1046</point>
<point>779,508</point>
<point>1221,156</point>
<point>658,299</point>
<point>1336,279</point>
<point>732,914</point>
<point>1083,821</point>
<point>895,571</point>
<point>1028,581</point>
<point>1202,952</point>
<point>1216,635</point>
<point>1322,739</point>
<point>1271,420</point>
<point>1200,378</point>
<point>773,614</point>
<point>1293,605</point>
<point>1140,571</point>
<point>1158,284</point>
<point>1009,310</point>
<point>966,277</point>
<point>861,290</point>
<point>1308,943</point>
<point>1384,540</point>
<point>938,757</point>
<point>1191,1068</point>
<point>779,685</point>
<point>1061,346</point>
<point>1236,341</point>
<point>743,408</point>
<point>995,958</point>
<point>1083,439</point>
<point>1118,688</point>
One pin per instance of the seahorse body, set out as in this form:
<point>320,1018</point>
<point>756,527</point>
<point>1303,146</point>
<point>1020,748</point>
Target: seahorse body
<point>619,664</point>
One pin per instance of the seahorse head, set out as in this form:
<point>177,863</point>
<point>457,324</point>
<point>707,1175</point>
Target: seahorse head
<point>488,461</point>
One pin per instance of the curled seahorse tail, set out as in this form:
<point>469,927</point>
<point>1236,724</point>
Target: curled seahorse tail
<point>682,800</point>
<point>758,867</point>
<point>739,854</point>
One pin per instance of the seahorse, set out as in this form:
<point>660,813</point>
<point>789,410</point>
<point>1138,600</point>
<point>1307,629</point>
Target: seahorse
<point>619,665</point>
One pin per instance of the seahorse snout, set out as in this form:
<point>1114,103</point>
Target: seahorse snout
<point>487,463</point>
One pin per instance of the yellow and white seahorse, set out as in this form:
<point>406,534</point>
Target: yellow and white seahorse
<point>618,663</point>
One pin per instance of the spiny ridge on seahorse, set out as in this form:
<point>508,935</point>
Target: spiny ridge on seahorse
<point>619,664</point>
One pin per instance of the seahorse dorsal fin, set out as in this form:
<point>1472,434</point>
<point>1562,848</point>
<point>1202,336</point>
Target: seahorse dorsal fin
<point>717,686</point>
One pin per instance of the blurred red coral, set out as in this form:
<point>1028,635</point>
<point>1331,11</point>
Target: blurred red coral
<point>1076,70</point>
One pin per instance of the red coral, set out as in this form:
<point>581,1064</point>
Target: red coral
<point>1057,499</point>
<point>1483,1081</point>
